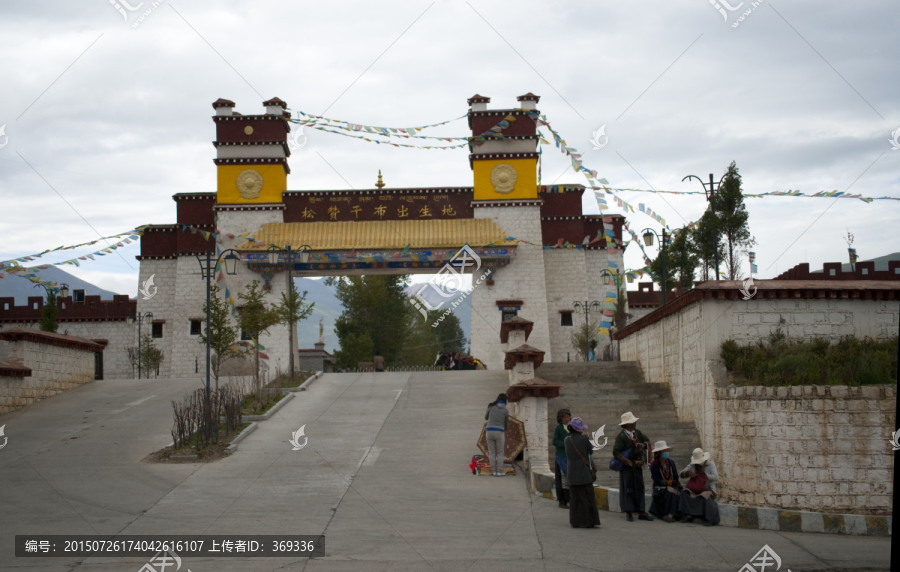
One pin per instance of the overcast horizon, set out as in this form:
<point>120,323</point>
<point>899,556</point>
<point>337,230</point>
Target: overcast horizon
<point>103,121</point>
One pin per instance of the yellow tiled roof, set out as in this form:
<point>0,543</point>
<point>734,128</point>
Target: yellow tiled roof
<point>362,235</point>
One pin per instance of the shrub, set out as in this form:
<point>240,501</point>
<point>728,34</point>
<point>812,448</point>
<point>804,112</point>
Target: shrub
<point>850,361</point>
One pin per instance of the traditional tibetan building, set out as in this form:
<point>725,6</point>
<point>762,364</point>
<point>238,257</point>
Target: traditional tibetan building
<point>382,230</point>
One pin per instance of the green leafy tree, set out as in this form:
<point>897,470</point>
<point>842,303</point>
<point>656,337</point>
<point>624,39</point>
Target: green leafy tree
<point>292,309</point>
<point>223,334</point>
<point>728,205</point>
<point>151,356</point>
<point>581,337</point>
<point>705,237</point>
<point>354,349</point>
<point>424,341</point>
<point>449,332</point>
<point>49,321</point>
<point>376,306</point>
<point>255,318</point>
<point>681,261</point>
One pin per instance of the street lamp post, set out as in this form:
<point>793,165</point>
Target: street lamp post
<point>713,187</point>
<point>230,258</point>
<point>141,318</point>
<point>649,234</point>
<point>289,257</point>
<point>586,308</point>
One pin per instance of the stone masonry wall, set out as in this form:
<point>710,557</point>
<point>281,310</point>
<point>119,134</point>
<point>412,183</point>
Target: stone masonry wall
<point>522,279</point>
<point>566,280</point>
<point>115,356</point>
<point>162,305</point>
<point>53,369</point>
<point>816,448</point>
<point>775,445</point>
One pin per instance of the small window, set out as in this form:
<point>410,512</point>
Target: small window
<point>34,307</point>
<point>156,330</point>
<point>831,271</point>
<point>507,314</point>
<point>78,296</point>
<point>865,270</point>
<point>195,327</point>
<point>565,319</point>
<point>246,335</point>
<point>6,305</point>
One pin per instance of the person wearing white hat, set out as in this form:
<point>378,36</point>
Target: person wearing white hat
<point>666,486</point>
<point>630,449</point>
<point>698,497</point>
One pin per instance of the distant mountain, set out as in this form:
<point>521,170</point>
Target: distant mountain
<point>21,289</point>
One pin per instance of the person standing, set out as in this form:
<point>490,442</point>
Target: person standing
<point>666,487</point>
<point>630,449</point>
<point>698,497</point>
<point>379,362</point>
<point>582,502</point>
<point>563,416</point>
<point>497,417</point>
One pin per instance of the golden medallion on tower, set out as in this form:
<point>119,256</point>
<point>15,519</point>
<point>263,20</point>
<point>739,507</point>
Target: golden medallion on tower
<point>504,178</point>
<point>248,130</point>
<point>249,183</point>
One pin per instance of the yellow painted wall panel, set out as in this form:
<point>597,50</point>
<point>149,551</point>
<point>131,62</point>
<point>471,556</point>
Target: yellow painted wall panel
<point>274,183</point>
<point>526,179</point>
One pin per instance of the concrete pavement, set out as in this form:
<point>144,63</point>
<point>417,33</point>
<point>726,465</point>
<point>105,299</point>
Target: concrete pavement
<point>384,476</point>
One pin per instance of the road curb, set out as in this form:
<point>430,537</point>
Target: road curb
<point>750,517</point>
<point>232,447</point>
<point>270,412</point>
<point>305,384</point>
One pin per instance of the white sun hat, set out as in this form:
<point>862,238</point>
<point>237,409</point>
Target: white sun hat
<point>661,446</point>
<point>628,418</point>
<point>698,457</point>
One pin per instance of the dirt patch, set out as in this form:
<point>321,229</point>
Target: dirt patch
<point>191,455</point>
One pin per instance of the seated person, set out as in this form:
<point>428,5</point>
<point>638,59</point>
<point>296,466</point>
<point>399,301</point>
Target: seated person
<point>666,486</point>
<point>698,497</point>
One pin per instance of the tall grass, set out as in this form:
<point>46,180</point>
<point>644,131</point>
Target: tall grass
<point>778,361</point>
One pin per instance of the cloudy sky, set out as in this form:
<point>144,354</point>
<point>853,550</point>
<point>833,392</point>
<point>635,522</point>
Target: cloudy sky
<point>107,115</point>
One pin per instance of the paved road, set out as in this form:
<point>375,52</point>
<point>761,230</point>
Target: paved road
<point>384,477</point>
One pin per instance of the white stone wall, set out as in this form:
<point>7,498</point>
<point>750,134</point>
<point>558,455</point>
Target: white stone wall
<point>187,355</point>
<point>523,279</point>
<point>119,334</point>
<point>683,350</point>
<point>53,369</point>
<point>566,281</point>
<point>162,305</point>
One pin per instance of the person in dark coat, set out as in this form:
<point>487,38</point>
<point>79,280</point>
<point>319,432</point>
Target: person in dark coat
<point>631,448</point>
<point>582,503</point>
<point>563,416</point>
<point>666,486</point>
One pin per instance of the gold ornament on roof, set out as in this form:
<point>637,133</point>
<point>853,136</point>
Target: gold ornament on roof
<point>504,178</point>
<point>249,183</point>
<point>380,183</point>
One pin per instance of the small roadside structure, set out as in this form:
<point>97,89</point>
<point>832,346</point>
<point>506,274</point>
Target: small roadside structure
<point>35,365</point>
<point>316,359</point>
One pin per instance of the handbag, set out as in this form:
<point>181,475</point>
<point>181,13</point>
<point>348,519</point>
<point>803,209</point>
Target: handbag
<point>583,460</point>
<point>697,483</point>
<point>617,465</point>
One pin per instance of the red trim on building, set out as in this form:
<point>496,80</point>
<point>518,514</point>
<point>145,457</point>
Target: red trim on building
<point>92,310</point>
<point>10,369</point>
<point>833,271</point>
<point>48,338</point>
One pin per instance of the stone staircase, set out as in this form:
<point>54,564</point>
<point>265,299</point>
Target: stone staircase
<point>600,392</point>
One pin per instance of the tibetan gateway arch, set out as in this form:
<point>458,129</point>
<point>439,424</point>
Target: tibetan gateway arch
<point>542,252</point>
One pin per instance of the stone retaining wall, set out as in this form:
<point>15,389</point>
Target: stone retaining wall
<point>57,363</point>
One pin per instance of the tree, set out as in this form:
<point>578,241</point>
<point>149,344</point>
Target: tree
<point>449,332</point>
<point>255,319</point>
<point>728,205</point>
<point>581,338</point>
<point>681,261</point>
<point>151,357</point>
<point>223,336</point>
<point>354,349</point>
<point>704,238</point>
<point>374,305</point>
<point>293,309</point>
<point>49,313</point>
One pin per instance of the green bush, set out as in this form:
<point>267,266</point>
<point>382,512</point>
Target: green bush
<point>850,361</point>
